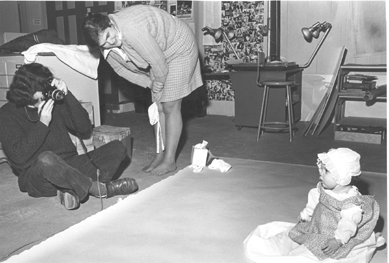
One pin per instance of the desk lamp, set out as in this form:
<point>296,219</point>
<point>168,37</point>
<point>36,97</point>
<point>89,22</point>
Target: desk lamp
<point>314,32</point>
<point>218,35</point>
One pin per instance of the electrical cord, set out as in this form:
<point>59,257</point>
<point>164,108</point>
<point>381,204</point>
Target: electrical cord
<point>86,152</point>
<point>82,142</point>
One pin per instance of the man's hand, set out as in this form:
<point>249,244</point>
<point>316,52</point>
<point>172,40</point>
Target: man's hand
<point>46,109</point>
<point>61,85</point>
<point>331,246</point>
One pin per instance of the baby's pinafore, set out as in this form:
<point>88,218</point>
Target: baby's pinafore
<point>315,233</point>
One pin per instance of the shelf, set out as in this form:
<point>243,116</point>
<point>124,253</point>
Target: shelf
<point>359,129</point>
<point>355,122</point>
<point>358,96</point>
<point>364,67</point>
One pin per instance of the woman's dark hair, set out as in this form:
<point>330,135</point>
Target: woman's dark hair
<point>28,79</point>
<point>93,25</point>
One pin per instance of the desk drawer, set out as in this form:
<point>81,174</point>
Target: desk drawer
<point>12,66</point>
<point>2,102</point>
<point>3,93</point>
<point>9,64</point>
<point>2,67</point>
<point>3,81</point>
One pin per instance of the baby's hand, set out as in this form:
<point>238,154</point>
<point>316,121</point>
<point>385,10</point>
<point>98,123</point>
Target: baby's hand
<point>331,246</point>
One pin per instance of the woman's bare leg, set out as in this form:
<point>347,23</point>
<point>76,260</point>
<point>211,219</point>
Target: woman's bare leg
<point>173,129</point>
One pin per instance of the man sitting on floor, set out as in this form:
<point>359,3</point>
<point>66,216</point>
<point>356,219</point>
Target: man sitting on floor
<point>34,135</point>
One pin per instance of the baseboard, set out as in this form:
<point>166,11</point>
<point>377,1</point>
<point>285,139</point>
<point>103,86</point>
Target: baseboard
<point>221,107</point>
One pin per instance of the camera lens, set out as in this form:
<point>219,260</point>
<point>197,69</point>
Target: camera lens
<point>57,95</point>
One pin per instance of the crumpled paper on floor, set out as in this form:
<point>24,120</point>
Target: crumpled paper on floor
<point>218,164</point>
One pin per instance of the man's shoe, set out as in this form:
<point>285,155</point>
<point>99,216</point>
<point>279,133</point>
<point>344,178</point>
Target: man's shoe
<point>124,186</point>
<point>69,200</point>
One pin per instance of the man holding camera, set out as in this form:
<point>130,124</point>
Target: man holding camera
<point>34,135</point>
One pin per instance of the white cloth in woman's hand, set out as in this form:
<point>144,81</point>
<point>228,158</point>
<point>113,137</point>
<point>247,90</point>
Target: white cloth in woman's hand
<point>154,119</point>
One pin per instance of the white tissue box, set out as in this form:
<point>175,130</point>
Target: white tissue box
<point>199,156</point>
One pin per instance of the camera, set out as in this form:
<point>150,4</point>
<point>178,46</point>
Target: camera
<point>51,92</point>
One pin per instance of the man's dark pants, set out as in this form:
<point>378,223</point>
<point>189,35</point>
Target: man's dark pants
<point>50,173</point>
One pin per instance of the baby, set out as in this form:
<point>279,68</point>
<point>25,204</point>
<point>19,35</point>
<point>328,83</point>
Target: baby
<point>337,217</point>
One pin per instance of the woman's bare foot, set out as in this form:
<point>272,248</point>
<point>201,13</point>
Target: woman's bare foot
<point>157,160</point>
<point>163,168</point>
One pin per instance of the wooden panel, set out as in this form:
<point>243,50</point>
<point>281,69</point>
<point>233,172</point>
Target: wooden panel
<point>358,137</point>
<point>9,12</point>
<point>67,17</point>
<point>60,27</point>
<point>72,29</point>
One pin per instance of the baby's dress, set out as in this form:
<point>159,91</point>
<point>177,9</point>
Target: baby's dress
<point>325,218</point>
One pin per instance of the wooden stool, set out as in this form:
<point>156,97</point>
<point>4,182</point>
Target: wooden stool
<point>104,134</point>
<point>268,125</point>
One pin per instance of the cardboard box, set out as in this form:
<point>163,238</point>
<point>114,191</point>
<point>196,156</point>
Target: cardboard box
<point>104,134</point>
<point>80,149</point>
<point>358,137</point>
<point>199,156</point>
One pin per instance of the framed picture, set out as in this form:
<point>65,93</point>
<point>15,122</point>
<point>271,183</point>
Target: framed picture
<point>162,4</point>
<point>184,9</point>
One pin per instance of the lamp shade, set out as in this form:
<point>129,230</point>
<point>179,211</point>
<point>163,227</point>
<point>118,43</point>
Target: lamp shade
<point>310,32</point>
<point>218,35</point>
<point>307,34</point>
<point>313,32</point>
<point>231,34</point>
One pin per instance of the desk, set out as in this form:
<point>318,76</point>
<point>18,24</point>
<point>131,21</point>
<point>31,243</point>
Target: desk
<point>248,96</point>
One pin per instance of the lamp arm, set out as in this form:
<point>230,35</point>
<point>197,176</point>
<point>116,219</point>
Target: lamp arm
<point>229,42</point>
<point>316,49</point>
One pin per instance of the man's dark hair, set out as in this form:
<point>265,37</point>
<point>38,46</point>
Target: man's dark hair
<point>93,25</point>
<point>28,79</point>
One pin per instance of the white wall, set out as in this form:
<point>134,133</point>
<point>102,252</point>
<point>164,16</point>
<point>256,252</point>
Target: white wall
<point>359,25</point>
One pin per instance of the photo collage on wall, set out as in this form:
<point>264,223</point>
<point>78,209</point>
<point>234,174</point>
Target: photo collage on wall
<point>219,89</point>
<point>247,20</point>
